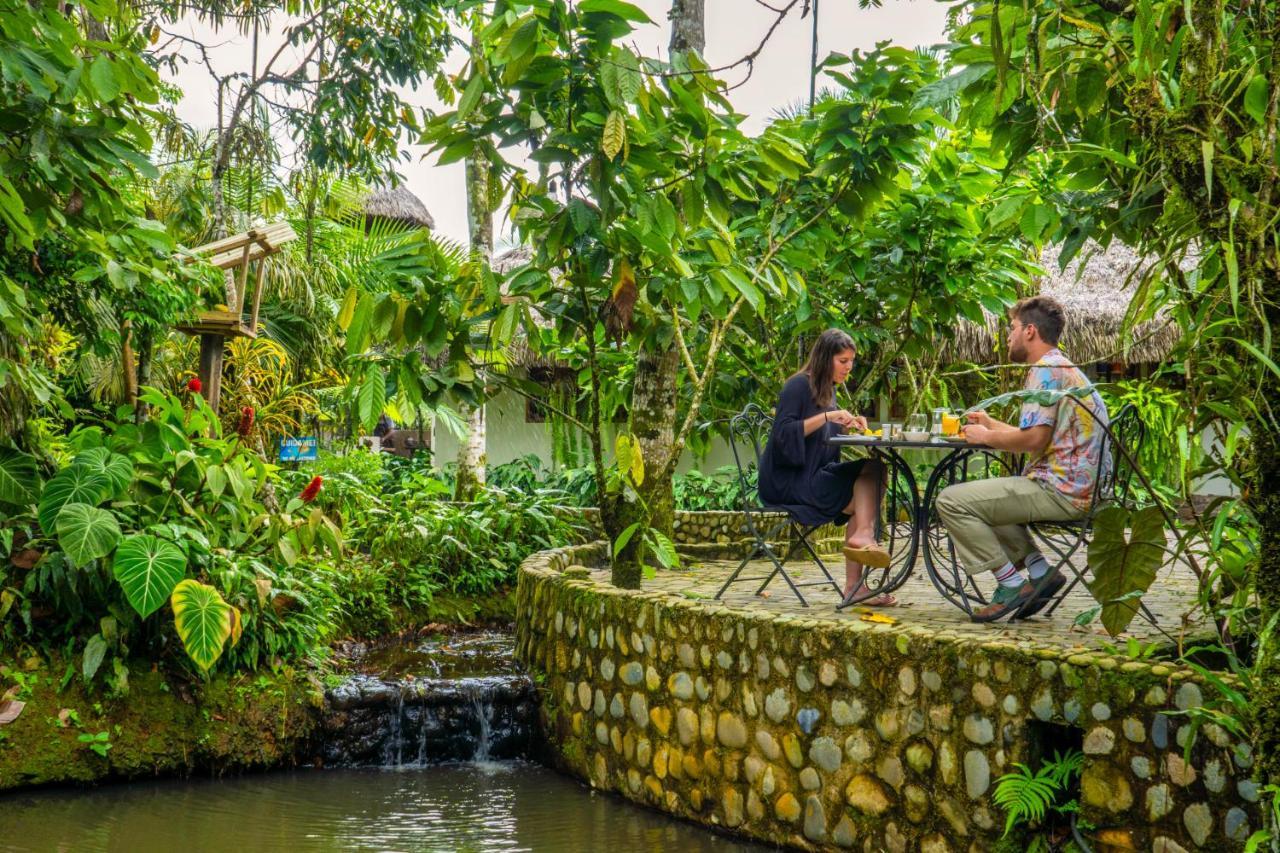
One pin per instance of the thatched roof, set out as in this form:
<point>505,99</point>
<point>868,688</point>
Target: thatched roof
<point>1095,289</point>
<point>512,258</point>
<point>399,204</point>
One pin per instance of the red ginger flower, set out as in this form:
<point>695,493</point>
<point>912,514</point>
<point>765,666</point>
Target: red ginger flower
<point>313,488</point>
<point>194,385</point>
<point>246,421</point>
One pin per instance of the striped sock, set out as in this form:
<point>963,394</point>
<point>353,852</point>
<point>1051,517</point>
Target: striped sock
<point>1037,565</point>
<point>1008,576</point>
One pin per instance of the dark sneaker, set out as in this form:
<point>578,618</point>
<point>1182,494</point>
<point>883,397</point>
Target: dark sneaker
<point>1044,589</point>
<point>1006,600</point>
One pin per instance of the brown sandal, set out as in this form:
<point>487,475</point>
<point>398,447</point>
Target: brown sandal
<point>872,555</point>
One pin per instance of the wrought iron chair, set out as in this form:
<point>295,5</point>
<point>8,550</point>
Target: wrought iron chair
<point>1064,539</point>
<point>747,431</point>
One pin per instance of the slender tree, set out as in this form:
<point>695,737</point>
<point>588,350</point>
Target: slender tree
<point>654,394</point>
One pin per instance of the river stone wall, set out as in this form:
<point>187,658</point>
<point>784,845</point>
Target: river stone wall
<point>848,734</point>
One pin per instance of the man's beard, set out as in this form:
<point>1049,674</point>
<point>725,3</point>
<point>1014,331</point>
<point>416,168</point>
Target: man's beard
<point>1018,351</point>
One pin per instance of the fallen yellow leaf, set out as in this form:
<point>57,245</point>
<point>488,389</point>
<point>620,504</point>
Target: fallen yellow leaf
<point>879,618</point>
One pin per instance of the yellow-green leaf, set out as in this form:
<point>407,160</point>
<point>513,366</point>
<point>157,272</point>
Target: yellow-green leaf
<point>204,621</point>
<point>348,308</point>
<point>615,134</point>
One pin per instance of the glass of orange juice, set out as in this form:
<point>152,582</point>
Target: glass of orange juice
<point>950,423</point>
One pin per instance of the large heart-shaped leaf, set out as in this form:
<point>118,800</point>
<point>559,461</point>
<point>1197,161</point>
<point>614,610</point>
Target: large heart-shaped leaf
<point>118,469</point>
<point>18,476</point>
<point>204,621</point>
<point>77,484</point>
<point>1123,569</point>
<point>86,532</point>
<point>148,569</point>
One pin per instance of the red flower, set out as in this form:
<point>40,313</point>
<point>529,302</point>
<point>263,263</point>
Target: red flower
<point>194,385</point>
<point>246,421</point>
<point>313,488</point>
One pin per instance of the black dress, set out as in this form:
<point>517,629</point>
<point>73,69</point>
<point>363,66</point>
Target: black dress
<point>800,473</point>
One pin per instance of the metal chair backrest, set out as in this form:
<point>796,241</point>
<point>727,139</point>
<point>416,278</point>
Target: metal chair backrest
<point>748,430</point>
<point>1125,432</point>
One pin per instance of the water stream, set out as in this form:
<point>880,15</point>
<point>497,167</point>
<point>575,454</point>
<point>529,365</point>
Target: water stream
<point>409,748</point>
<point>494,806</point>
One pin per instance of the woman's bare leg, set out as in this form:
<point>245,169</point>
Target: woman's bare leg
<point>863,510</point>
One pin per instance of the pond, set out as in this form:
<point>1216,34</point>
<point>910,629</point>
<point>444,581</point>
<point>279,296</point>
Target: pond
<point>405,744</point>
<point>484,806</point>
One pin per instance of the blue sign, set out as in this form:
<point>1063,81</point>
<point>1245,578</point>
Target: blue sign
<point>303,449</point>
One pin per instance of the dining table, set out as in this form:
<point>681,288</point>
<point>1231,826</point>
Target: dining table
<point>908,525</point>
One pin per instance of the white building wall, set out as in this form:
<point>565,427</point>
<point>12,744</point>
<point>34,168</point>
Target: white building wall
<point>510,437</point>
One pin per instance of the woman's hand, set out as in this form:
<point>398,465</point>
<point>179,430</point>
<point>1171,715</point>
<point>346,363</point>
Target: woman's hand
<point>844,418</point>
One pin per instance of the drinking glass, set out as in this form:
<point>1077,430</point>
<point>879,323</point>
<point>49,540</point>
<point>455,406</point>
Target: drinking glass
<point>950,423</point>
<point>918,422</point>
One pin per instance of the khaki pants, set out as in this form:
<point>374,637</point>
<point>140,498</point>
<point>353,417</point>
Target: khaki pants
<point>987,518</point>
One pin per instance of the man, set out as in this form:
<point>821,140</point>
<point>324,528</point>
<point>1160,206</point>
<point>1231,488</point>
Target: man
<point>987,518</point>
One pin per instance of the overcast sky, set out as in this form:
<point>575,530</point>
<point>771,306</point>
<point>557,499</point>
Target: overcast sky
<point>734,27</point>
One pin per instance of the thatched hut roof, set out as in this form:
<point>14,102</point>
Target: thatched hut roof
<point>519,353</point>
<point>1095,289</point>
<point>512,258</point>
<point>400,205</point>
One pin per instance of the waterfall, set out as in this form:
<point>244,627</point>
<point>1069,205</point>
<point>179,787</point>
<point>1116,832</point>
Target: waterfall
<point>402,719</point>
<point>482,714</point>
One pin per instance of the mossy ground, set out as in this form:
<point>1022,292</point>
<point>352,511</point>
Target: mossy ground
<point>171,725</point>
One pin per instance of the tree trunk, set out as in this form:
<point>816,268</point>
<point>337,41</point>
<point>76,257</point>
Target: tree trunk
<point>1266,505</point>
<point>688,26</point>
<point>471,455</point>
<point>653,421</point>
<point>473,451</point>
<point>616,516</point>
<point>653,390</point>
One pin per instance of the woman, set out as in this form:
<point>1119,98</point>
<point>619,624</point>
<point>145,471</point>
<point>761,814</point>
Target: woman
<point>801,473</point>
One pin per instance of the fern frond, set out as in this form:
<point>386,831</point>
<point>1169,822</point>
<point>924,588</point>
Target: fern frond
<point>1063,767</point>
<point>1024,796</point>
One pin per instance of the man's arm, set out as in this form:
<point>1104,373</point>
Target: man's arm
<point>1032,440</point>
<point>981,417</point>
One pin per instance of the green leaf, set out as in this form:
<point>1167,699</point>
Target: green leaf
<point>624,537</point>
<point>148,568</point>
<point>94,651</point>
<point>103,78</point>
<point>1255,98</point>
<point>470,96</point>
<point>18,476</point>
<point>626,11</point>
<point>77,484</point>
<point>118,469</point>
<point>372,397</point>
<point>358,330</point>
<point>1206,155</point>
<point>615,134</point>
<point>215,476</point>
<point>664,549</point>
<point>1040,396</point>
<point>204,621</point>
<point>86,532</point>
<point>1122,567</point>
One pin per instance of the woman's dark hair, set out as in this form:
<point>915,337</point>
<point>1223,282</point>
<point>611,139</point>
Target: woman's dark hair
<point>829,344</point>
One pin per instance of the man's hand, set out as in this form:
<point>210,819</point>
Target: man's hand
<point>976,433</point>
<point>980,418</point>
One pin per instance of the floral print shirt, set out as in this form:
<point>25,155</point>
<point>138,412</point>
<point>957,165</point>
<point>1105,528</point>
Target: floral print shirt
<point>1072,462</point>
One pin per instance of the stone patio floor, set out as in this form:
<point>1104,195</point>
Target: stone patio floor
<point>920,604</point>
